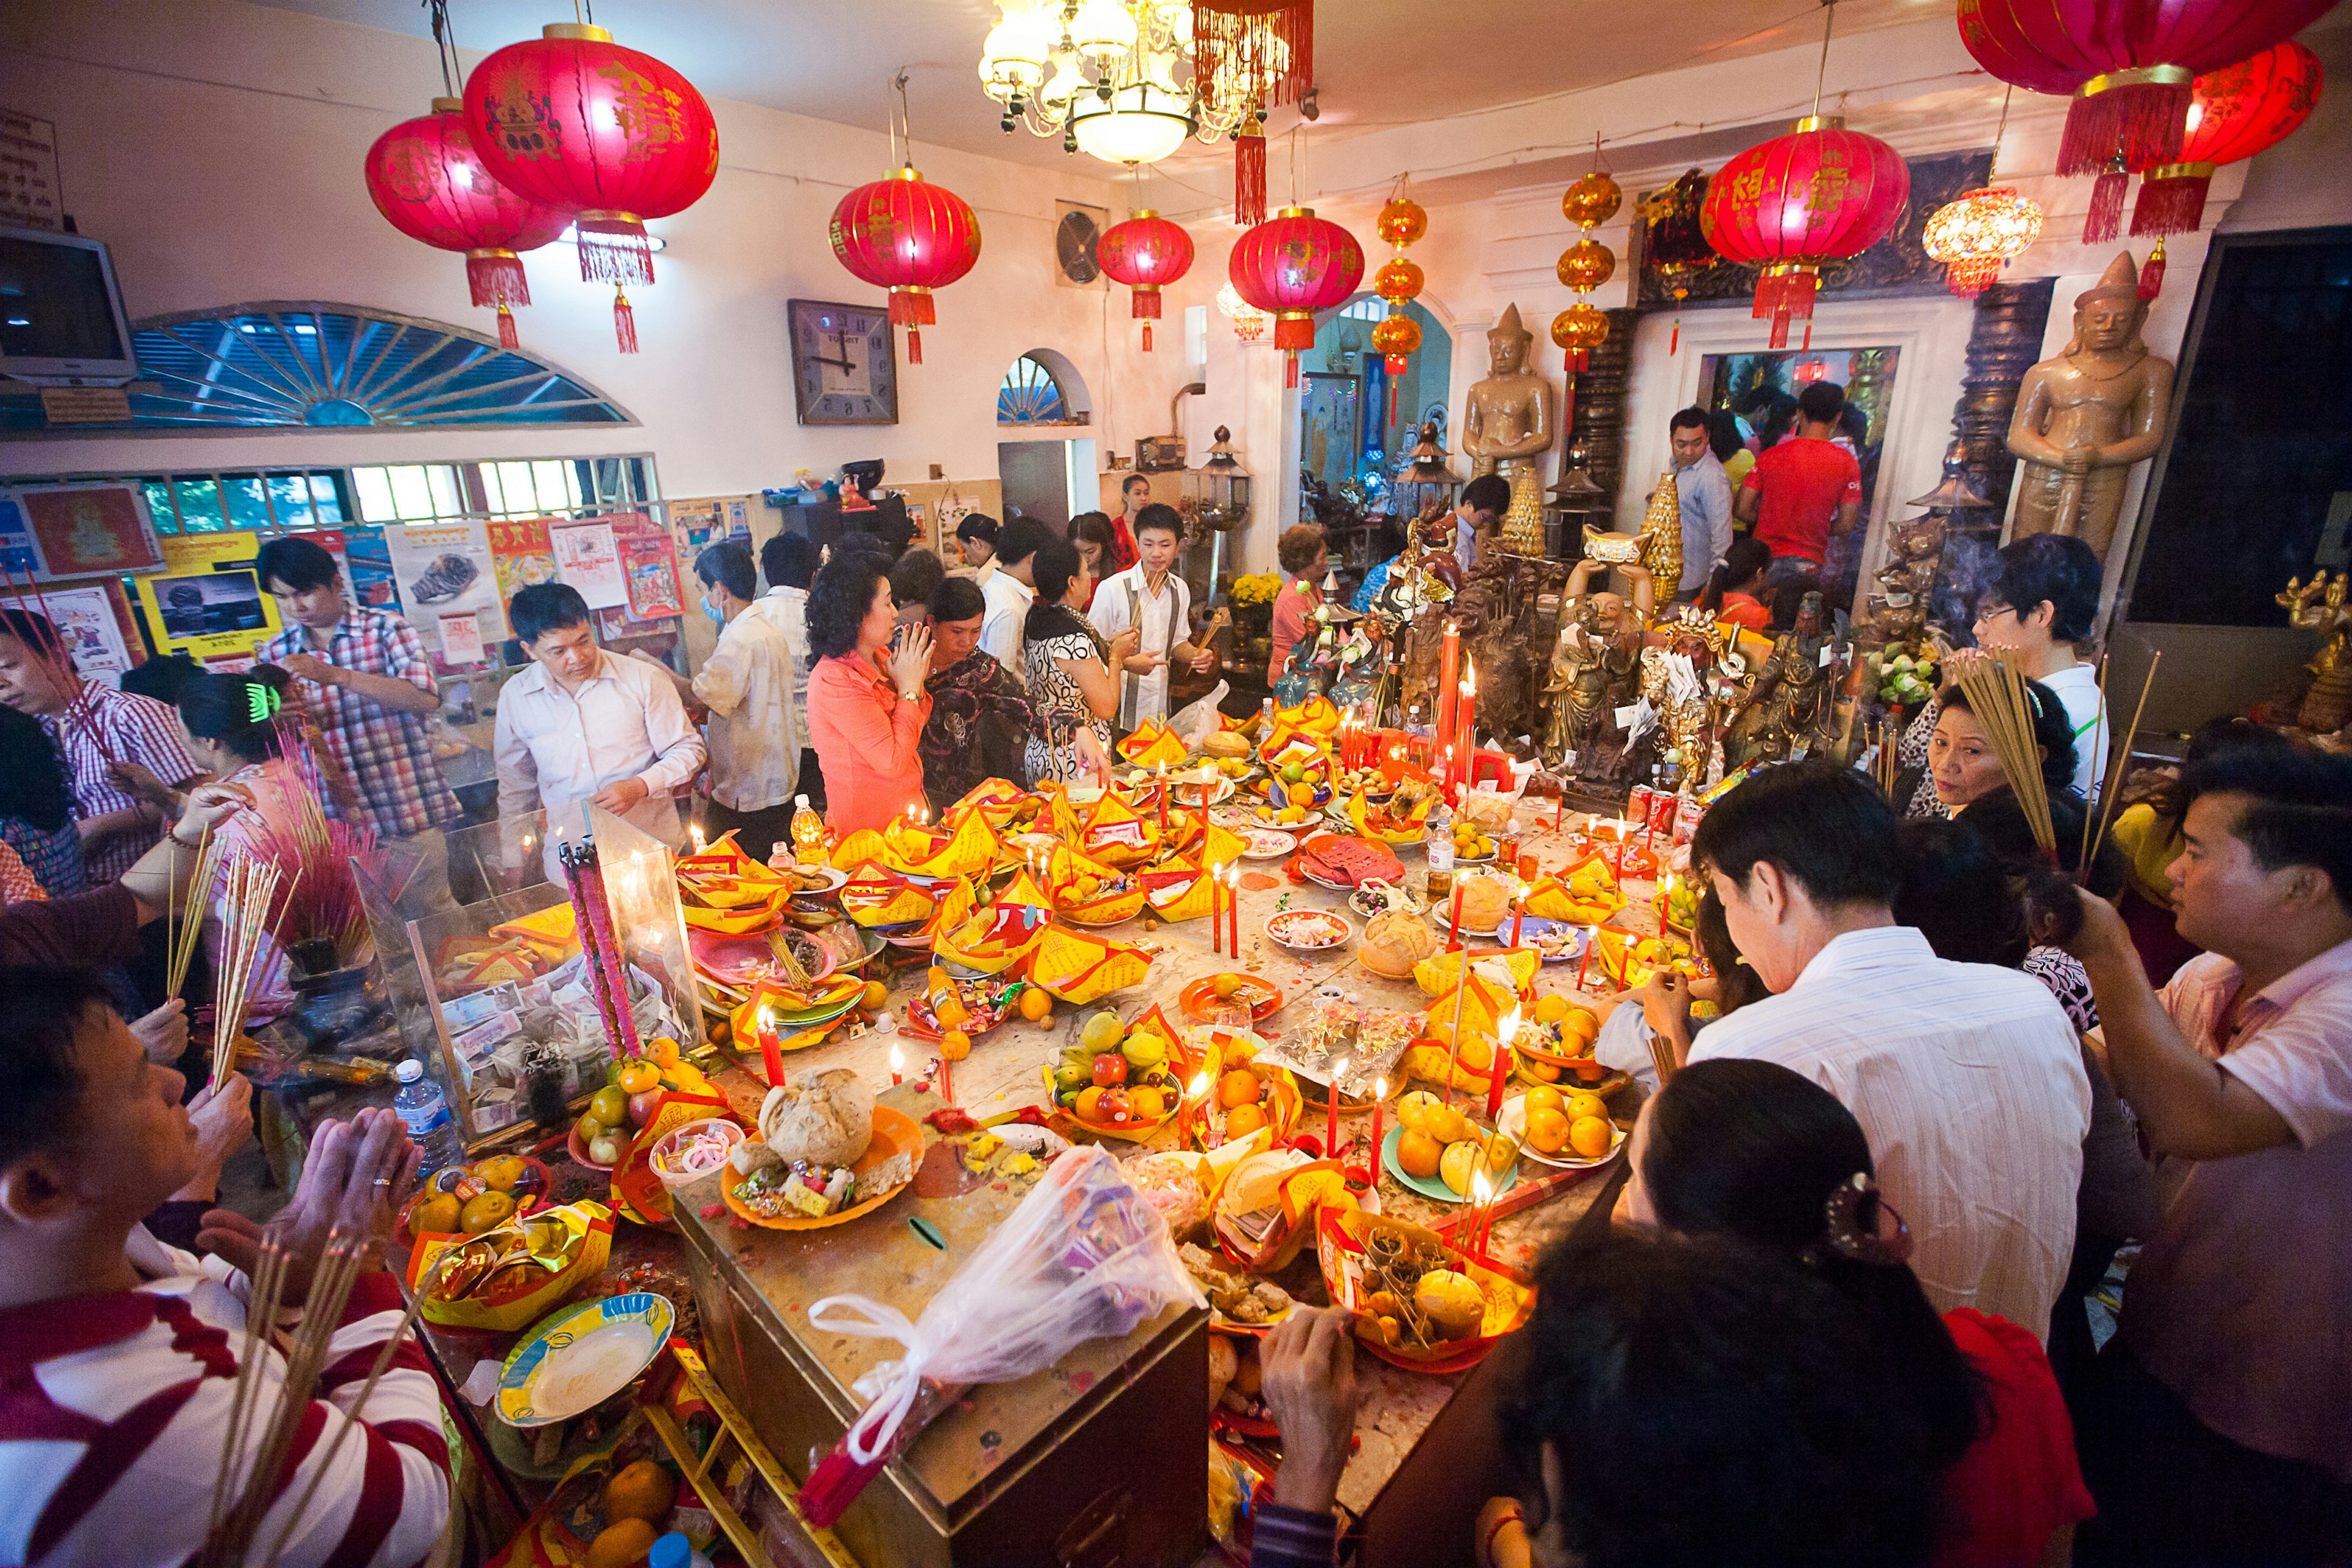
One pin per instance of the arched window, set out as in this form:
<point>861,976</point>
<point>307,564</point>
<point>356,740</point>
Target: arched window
<point>269,366</point>
<point>1030,395</point>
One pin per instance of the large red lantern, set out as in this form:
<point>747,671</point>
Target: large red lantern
<point>428,182</point>
<point>2128,65</point>
<point>1796,202</point>
<point>575,121</point>
<point>1292,265</point>
<point>1146,253</point>
<point>910,237</point>
<point>2233,113</point>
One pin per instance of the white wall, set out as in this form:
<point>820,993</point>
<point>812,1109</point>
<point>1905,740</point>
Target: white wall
<point>216,147</point>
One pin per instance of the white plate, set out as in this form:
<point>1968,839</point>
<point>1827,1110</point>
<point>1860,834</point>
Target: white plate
<point>1513,1124</point>
<point>1339,930</point>
<point>1267,844</point>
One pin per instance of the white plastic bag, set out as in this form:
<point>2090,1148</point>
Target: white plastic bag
<point>1197,719</point>
<point>1085,1257</point>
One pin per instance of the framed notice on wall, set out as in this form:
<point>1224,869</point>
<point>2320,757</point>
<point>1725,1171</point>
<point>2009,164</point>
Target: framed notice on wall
<point>446,574</point>
<point>90,531</point>
<point>208,602</point>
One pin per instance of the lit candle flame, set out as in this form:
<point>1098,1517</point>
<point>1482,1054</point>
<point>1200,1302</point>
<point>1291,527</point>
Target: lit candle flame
<point>1199,1087</point>
<point>1380,1088</point>
<point>1339,1071</point>
<point>897,1059</point>
<point>1509,1027</point>
<point>1482,1191</point>
<point>1469,678</point>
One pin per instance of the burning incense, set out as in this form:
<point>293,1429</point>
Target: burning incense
<point>2003,708</point>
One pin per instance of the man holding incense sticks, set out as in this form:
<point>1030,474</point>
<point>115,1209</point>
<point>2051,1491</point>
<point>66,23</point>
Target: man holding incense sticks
<point>123,1358</point>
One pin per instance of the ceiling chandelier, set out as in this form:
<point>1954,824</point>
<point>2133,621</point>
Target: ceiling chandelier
<point>1113,78</point>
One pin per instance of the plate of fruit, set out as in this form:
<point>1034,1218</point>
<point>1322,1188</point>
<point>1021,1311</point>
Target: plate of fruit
<point>1118,1080</point>
<point>1569,1129</point>
<point>1204,1000</point>
<point>1308,930</point>
<point>1471,847</point>
<point>467,1200</point>
<point>632,1092</point>
<point>1436,1150</point>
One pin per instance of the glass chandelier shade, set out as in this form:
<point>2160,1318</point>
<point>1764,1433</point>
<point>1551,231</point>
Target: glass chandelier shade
<point>1978,234</point>
<point>1142,123</point>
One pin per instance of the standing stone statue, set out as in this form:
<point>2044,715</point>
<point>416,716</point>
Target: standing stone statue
<point>1506,424</point>
<point>2084,418</point>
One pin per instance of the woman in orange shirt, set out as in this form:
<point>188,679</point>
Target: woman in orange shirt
<point>1730,593</point>
<point>866,701</point>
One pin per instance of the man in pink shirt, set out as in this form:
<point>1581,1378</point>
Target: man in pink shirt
<point>2220,1426</point>
<point>1803,489</point>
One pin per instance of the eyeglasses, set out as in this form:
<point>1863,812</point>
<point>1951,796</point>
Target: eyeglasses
<point>1993,612</point>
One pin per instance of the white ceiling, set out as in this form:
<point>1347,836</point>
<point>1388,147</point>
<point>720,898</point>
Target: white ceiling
<point>1379,62</point>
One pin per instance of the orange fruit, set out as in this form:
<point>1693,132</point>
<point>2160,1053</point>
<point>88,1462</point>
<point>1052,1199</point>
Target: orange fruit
<point>1241,1120</point>
<point>642,1491</point>
<point>1148,1104</point>
<point>1583,1103</point>
<point>1581,1022</point>
<point>1539,1070</point>
<point>1238,1087</point>
<point>1417,1152</point>
<point>1501,1153</point>
<point>483,1213</point>
<point>1547,1131</point>
<point>955,1045</point>
<point>437,1214</point>
<point>1590,1136</point>
<point>621,1545</point>
<point>1477,1054</point>
<point>1441,1033</point>
<point>876,996</point>
<point>1088,1103</point>
<point>1543,1097</point>
<point>1035,1005</point>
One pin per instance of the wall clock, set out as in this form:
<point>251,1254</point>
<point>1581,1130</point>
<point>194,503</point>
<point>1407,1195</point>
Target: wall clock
<point>845,364</point>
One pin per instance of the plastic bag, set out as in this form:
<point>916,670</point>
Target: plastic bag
<point>1085,1257</point>
<point>1197,721</point>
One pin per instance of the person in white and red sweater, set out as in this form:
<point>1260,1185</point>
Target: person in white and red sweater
<point>119,1356</point>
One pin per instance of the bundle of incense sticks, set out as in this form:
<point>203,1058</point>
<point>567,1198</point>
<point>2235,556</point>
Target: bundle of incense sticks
<point>608,979</point>
<point>2004,711</point>
<point>238,1506</point>
<point>1885,769</point>
<point>183,918</point>
<point>323,902</point>
<point>248,897</point>
<point>2113,788</point>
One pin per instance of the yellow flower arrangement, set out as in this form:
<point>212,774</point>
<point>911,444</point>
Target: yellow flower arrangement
<point>1258,589</point>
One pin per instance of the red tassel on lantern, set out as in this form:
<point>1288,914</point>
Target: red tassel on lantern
<point>2135,114</point>
<point>1147,337</point>
<point>507,337</point>
<point>2171,199</point>
<point>497,278</point>
<point>625,322</point>
<point>1249,179</point>
<point>2105,218</point>
<point>2151,274</point>
<point>914,345</point>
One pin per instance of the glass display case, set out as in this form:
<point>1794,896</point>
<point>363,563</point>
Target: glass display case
<point>492,995</point>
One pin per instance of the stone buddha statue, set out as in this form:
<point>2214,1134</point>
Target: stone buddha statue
<point>1506,424</point>
<point>2085,418</point>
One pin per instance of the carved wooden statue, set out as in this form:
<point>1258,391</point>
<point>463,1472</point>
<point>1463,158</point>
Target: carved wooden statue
<point>1505,425</point>
<point>2084,418</point>
<point>1792,707</point>
<point>1678,679</point>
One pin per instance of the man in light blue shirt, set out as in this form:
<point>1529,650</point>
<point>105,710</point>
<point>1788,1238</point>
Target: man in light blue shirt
<point>1706,492</point>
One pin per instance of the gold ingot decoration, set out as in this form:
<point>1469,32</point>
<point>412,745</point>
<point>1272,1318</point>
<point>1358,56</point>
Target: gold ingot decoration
<point>1586,266</point>
<point>1591,201</point>
<point>1664,528</point>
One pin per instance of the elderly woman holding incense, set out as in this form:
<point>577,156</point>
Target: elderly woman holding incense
<point>102,1316</point>
<point>1982,738</point>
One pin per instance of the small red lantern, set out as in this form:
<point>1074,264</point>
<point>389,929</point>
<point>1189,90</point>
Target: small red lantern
<point>428,182</point>
<point>2233,113</point>
<point>574,120</point>
<point>910,237</point>
<point>1146,253</point>
<point>1292,265</point>
<point>2128,68</point>
<point>1794,204</point>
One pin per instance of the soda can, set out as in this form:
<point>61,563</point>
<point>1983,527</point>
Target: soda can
<point>1637,806</point>
<point>1687,811</point>
<point>1662,815</point>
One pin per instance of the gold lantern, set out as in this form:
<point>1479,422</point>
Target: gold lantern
<point>1587,265</point>
<point>1978,234</point>
<point>1591,201</point>
<point>1578,330</point>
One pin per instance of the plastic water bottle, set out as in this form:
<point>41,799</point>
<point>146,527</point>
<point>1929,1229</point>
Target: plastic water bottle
<point>426,1116</point>
<point>674,1551</point>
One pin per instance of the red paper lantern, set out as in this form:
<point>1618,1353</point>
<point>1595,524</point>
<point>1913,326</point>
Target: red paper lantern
<point>574,120</point>
<point>1292,265</point>
<point>1791,205</point>
<point>2233,113</point>
<point>428,182</point>
<point>910,237</point>
<point>1146,253</point>
<point>2128,65</point>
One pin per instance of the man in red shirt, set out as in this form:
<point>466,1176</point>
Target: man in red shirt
<point>1804,488</point>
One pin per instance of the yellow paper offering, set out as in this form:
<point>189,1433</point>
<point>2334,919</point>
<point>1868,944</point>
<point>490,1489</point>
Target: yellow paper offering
<point>1079,967</point>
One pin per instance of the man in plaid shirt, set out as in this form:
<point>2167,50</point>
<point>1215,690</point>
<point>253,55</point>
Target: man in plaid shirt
<point>368,681</point>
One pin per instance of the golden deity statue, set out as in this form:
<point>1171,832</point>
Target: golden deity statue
<point>2318,606</point>
<point>2084,418</point>
<point>1505,425</point>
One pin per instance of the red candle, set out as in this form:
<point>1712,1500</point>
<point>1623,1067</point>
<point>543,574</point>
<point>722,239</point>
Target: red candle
<point>1591,937</point>
<point>1453,922</point>
<point>771,1058</point>
<point>897,1068</point>
<point>1518,913</point>
<point>1380,1096</point>
<point>1465,725</point>
<point>1331,1121</point>
<point>1234,904</point>
<point>947,1081</point>
<point>1449,672</point>
<point>1216,911</point>
<point>1163,803</point>
<point>1502,1067</point>
<point>1392,767</point>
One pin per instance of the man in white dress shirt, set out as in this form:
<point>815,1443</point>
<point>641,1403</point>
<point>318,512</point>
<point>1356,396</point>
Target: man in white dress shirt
<point>1967,1078</point>
<point>1156,602</point>
<point>582,726</point>
<point>1011,593</point>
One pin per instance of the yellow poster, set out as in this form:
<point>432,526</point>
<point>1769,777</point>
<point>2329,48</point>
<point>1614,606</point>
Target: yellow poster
<point>207,601</point>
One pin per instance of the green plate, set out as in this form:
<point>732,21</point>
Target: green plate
<point>1431,1187</point>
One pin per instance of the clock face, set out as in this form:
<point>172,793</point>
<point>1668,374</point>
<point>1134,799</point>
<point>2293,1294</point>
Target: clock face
<point>845,365</point>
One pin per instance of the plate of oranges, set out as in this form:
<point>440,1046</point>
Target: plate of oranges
<point>1567,1128</point>
<point>1437,1151</point>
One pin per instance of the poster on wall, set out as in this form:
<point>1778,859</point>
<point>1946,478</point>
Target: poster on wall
<point>445,569</point>
<point>649,557</point>
<point>88,531</point>
<point>18,559</point>
<point>92,620</point>
<point>207,603</point>
<point>367,568</point>
<point>31,194</point>
<point>699,525</point>
<point>521,553</point>
<point>588,557</point>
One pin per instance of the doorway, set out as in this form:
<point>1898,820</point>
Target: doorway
<point>1050,478</point>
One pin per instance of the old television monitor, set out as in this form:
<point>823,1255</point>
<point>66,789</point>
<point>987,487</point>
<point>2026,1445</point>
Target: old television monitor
<point>61,319</point>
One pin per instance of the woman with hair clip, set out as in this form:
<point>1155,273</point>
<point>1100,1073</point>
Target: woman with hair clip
<point>1733,593</point>
<point>232,727</point>
<point>1963,767</point>
<point>1072,692</point>
<point>1752,1150</point>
